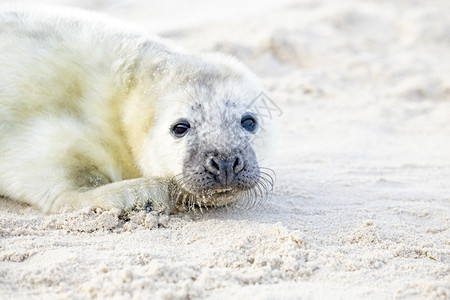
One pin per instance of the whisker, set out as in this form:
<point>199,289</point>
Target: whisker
<point>199,204</point>
<point>260,189</point>
<point>268,176</point>
<point>179,101</point>
<point>269,181</point>
<point>190,95</point>
<point>269,170</point>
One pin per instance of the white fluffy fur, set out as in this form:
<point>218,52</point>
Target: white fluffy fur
<point>88,101</point>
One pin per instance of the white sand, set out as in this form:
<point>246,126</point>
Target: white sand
<point>362,204</point>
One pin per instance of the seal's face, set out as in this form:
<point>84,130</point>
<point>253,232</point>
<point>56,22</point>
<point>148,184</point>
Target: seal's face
<point>219,159</point>
<point>209,138</point>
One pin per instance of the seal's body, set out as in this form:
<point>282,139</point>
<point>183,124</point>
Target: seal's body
<point>93,114</point>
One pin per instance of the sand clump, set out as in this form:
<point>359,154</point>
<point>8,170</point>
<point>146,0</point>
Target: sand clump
<point>90,220</point>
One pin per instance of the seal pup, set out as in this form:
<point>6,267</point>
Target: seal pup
<point>94,113</point>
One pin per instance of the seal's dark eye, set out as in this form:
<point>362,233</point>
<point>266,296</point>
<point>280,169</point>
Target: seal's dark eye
<point>181,128</point>
<point>248,122</point>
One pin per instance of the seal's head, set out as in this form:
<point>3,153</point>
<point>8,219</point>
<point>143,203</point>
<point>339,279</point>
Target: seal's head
<point>207,133</point>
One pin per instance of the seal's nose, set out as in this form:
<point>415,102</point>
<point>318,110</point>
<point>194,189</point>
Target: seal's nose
<point>225,170</point>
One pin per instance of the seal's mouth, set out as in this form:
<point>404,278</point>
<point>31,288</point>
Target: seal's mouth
<point>212,194</point>
<point>228,197</point>
<point>185,195</point>
<point>223,192</point>
<point>206,198</point>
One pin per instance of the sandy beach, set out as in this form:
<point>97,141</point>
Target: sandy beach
<point>360,92</point>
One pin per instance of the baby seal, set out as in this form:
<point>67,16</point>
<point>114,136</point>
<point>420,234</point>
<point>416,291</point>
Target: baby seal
<point>94,113</point>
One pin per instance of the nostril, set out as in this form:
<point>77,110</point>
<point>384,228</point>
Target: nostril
<point>214,164</point>
<point>238,164</point>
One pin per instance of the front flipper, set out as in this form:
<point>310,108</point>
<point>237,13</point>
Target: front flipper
<point>126,195</point>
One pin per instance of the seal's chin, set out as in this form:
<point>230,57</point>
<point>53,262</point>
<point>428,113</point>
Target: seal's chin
<point>223,192</point>
<point>220,197</point>
<point>208,198</point>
